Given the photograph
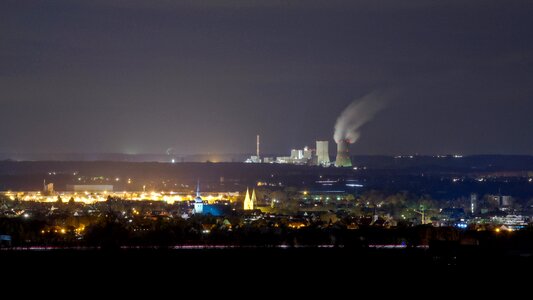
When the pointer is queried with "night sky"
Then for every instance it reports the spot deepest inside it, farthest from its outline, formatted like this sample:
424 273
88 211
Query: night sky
207 76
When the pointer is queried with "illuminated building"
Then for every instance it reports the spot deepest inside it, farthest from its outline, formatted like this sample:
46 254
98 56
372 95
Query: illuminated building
510 222
253 200
343 154
307 153
198 202
473 203
255 158
249 202
322 152
269 160
504 202
298 157
297 154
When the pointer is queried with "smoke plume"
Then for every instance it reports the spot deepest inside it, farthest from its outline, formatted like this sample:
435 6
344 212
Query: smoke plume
357 114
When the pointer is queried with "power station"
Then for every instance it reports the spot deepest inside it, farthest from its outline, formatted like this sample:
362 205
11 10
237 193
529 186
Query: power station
343 154
322 153
308 156
255 159
257 149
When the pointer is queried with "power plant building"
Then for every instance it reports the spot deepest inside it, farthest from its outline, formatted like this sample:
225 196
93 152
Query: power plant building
322 153
298 157
255 158
297 154
343 154
308 153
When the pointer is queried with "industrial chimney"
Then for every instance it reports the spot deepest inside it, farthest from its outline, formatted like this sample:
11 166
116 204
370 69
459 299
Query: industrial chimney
257 150
343 154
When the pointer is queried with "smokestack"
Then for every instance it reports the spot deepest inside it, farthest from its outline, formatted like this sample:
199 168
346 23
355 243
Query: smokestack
343 154
258 146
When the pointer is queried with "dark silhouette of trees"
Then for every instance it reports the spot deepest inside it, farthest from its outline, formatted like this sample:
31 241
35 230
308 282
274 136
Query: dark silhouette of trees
109 233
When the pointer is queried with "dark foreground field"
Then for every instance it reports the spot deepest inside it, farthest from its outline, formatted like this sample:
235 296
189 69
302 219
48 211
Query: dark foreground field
271 273
283 261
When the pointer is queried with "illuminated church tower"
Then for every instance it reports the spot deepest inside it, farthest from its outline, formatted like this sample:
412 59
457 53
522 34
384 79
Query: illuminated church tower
253 200
198 202
249 202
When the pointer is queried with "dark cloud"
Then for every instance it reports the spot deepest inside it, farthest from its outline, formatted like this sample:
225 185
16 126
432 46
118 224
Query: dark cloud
206 76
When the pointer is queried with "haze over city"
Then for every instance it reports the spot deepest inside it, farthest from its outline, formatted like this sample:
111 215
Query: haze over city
261 145
207 76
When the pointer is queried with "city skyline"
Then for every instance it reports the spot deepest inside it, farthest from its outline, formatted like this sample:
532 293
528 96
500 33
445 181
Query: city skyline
206 77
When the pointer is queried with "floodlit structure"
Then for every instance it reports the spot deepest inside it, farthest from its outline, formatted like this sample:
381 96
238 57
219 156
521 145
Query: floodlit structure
253 200
198 202
298 157
249 202
307 153
257 150
255 158
343 154
473 203
297 154
322 153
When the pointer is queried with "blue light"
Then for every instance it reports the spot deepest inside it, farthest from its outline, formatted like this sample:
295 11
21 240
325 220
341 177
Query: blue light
354 185
461 225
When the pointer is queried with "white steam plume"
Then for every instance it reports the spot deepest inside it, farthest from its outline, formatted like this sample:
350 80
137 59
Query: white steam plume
357 114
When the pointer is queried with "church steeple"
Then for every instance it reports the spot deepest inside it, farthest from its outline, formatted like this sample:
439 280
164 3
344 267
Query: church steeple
247 200
253 200
198 202
198 189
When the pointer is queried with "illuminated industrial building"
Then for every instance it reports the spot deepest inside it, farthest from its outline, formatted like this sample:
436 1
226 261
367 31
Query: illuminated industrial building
255 158
322 153
298 157
343 154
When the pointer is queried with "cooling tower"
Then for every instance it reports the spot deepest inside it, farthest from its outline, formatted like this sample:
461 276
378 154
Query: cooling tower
343 154
322 153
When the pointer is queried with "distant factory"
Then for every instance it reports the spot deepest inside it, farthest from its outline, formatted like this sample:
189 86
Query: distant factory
303 156
255 158
322 153
318 156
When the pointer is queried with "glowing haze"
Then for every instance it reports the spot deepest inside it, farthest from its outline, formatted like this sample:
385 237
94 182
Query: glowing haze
357 114
205 76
